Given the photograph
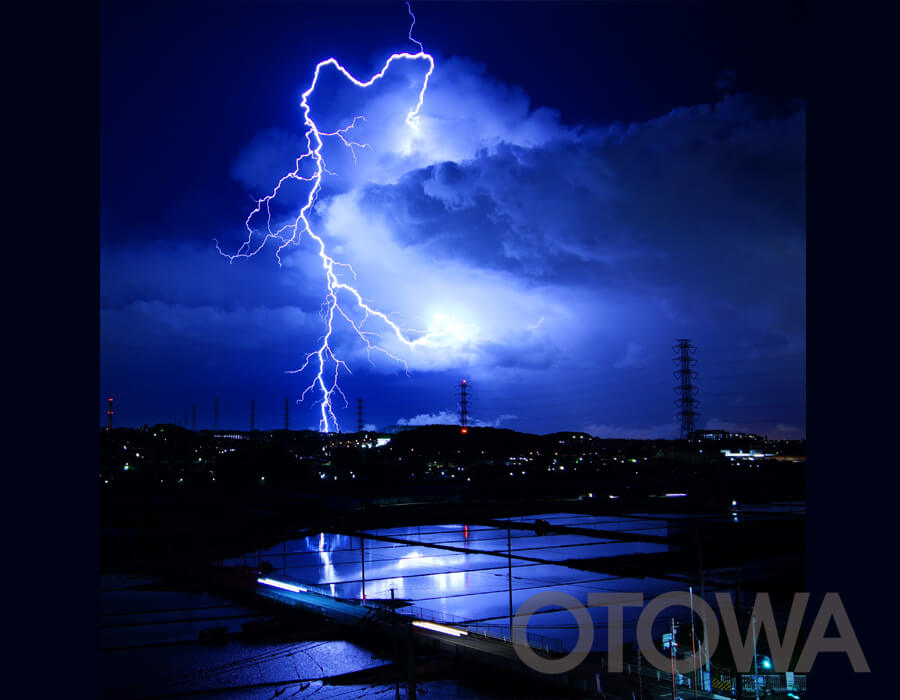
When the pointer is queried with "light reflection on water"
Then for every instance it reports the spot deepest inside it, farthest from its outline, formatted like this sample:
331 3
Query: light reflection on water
473 585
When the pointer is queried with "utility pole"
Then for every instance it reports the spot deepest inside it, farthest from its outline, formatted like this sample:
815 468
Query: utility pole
640 677
509 570
394 646
704 643
362 550
693 643
672 648
411 662
755 668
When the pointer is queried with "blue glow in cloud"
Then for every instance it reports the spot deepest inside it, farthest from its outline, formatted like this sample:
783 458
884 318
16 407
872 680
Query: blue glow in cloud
574 254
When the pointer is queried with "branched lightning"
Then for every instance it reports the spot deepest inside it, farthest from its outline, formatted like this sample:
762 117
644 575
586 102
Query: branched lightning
339 292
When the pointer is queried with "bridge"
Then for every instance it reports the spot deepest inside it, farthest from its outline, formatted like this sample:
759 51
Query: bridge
466 641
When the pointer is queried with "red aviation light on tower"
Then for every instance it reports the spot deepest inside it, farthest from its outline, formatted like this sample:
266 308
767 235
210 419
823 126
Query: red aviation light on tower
463 406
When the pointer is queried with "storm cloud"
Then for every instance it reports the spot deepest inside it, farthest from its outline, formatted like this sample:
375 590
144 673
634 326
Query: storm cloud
572 255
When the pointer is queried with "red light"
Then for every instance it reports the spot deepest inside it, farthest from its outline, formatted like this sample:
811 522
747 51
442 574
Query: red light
464 431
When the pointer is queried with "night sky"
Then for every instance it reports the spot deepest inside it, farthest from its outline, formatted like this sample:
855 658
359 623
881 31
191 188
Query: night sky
589 182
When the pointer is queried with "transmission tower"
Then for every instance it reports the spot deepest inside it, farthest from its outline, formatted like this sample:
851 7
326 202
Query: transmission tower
216 414
194 417
252 415
109 414
359 415
464 406
685 374
287 413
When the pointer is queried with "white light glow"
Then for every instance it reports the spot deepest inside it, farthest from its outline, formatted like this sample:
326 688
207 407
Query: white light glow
440 628
281 584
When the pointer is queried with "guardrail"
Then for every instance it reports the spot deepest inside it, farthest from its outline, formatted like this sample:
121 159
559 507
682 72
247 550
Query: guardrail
723 682
498 631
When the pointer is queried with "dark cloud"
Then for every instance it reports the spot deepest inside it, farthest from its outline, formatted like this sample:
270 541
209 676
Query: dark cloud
726 80
704 206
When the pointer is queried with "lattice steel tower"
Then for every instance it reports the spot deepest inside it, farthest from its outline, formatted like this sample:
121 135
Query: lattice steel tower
685 374
359 415
252 415
464 406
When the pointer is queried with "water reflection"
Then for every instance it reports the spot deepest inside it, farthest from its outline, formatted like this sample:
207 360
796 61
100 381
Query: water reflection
475 584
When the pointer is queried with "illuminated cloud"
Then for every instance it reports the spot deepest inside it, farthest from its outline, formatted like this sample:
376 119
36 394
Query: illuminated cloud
563 255
451 418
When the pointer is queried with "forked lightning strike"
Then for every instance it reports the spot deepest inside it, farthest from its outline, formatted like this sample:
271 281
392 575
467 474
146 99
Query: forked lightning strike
324 356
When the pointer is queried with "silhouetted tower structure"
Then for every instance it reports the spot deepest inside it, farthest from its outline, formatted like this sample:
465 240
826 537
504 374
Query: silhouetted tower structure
194 417
252 414
287 413
359 415
109 414
185 423
464 406
685 374
216 414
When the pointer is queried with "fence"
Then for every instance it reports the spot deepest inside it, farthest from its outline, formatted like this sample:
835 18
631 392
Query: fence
723 681
498 631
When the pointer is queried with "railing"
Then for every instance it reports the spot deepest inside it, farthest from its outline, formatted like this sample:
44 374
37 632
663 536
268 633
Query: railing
681 679
774 681
498 631
723 682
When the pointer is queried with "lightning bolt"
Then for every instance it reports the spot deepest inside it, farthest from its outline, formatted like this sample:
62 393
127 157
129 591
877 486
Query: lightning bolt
339 292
